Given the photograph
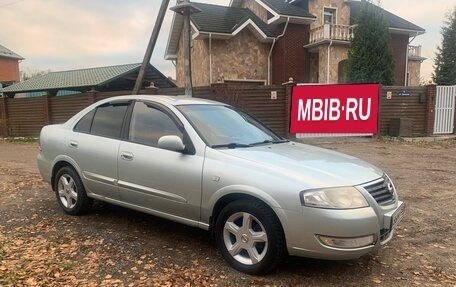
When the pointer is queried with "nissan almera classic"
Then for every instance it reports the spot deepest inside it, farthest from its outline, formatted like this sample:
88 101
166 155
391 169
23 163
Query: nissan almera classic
209 165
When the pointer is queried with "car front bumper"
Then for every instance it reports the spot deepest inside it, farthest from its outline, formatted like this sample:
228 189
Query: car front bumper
359 231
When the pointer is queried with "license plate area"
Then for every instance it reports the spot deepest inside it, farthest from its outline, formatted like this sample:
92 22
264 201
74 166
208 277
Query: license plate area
392 218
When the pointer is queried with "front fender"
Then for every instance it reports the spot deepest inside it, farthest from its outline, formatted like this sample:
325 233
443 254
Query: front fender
240 190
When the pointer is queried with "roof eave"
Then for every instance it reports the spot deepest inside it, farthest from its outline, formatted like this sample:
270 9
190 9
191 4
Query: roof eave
174 35
133 69
293 19
410 32
12 57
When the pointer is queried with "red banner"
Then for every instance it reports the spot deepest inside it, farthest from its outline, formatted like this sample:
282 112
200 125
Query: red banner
335 109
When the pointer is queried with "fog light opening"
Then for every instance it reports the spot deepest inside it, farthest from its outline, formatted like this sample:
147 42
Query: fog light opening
339 242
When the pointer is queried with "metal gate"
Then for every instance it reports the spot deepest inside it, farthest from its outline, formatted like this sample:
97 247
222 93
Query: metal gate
445 110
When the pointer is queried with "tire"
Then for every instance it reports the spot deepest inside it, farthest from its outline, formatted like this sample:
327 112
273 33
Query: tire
250 237
70 192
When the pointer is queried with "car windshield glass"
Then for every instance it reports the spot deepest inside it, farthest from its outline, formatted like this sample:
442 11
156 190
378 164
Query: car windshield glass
224 127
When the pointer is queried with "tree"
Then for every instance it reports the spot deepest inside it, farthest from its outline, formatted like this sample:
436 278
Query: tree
370 58
445 60
28 73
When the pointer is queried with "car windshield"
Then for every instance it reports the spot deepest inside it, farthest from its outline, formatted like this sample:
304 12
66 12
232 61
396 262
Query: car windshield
223 126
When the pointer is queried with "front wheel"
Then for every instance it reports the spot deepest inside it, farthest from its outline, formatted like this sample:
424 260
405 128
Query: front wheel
70 192
250 237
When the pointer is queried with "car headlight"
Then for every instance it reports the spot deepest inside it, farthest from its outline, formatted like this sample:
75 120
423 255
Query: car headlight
334 198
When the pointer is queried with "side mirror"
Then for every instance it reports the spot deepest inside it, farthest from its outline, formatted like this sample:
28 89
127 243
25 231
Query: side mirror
172 143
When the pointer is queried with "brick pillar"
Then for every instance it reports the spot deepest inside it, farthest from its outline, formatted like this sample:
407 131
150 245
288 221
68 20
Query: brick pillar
3 117
288 90
92 96
454 111
380 104
431 91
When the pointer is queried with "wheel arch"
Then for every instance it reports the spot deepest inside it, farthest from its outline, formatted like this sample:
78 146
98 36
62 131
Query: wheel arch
231 197
60 163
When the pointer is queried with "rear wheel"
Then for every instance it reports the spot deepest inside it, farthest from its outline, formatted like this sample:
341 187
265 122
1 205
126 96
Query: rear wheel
70 192
250 237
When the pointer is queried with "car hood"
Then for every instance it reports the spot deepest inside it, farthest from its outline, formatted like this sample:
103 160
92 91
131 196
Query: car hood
316 167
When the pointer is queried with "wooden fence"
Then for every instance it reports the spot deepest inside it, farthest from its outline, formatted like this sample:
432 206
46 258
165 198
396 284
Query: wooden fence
270 104
405 103
25 117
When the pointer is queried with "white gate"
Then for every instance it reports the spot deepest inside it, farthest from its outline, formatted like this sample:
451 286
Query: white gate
445 110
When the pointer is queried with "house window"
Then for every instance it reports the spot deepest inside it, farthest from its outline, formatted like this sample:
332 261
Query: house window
329 16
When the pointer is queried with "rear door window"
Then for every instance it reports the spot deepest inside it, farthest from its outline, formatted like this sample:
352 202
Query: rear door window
106 120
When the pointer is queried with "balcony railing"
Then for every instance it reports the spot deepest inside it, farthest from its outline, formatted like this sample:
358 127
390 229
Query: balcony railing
331 32
414 51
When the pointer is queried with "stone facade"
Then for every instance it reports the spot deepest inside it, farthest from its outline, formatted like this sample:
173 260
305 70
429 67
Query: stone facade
337 54
242 57
256 8
316 8
414 73
245 57
200 63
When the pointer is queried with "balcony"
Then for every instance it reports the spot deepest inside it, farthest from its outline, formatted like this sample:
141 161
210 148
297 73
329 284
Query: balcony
328 32
414 53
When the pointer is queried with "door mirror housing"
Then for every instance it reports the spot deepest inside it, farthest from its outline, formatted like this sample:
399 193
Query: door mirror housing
172 143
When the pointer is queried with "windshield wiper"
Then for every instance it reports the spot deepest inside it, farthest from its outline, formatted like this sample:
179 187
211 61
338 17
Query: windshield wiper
269 142
231 145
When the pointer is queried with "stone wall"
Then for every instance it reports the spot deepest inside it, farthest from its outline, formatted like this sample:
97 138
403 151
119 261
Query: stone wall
200 63
337 54
342 11
242 57
314 68
256 8
414 71
180 64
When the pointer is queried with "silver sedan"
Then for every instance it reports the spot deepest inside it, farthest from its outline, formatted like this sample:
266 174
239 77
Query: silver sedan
209 165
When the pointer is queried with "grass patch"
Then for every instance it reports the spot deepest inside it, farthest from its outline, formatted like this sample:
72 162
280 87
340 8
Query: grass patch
20 139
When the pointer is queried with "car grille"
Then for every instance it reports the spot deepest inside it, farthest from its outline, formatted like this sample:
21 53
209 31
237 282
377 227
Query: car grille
380 191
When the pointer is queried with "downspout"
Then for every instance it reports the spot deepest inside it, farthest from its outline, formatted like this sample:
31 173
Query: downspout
329 56
406 65
210 58
272 48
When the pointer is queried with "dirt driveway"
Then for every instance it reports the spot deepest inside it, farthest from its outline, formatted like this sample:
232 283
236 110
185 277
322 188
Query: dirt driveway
40 246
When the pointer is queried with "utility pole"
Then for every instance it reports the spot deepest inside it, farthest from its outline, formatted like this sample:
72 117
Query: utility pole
150 47
185 8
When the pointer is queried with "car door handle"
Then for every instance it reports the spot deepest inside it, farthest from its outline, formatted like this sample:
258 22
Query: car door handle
74 144
127 156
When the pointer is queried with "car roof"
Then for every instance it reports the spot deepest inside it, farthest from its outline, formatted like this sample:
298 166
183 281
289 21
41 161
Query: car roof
170 100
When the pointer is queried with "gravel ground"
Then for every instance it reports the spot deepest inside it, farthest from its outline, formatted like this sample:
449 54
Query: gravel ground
112 246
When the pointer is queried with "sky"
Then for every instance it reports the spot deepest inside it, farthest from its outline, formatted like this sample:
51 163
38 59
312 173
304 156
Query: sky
60 35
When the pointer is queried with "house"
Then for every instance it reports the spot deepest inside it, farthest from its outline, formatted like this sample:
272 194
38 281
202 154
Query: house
269 41
9 67
102 79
